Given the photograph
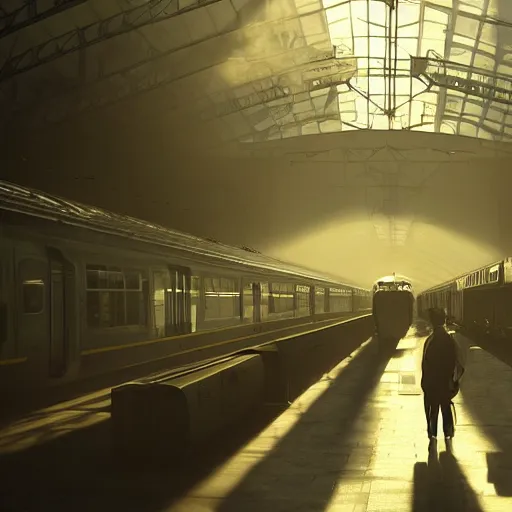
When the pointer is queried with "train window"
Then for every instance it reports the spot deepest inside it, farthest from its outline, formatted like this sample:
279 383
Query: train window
319 299
248 301
281 298
195 301
302 299
33 296
132 280
115 280
116 297
133 309
229 285
272 295
222 298
194 286
160 284
340 300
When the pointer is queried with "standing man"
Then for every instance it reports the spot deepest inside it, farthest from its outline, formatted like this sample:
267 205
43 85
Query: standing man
441 372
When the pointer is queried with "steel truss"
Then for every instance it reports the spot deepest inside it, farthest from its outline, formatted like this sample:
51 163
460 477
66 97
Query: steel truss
467 79
81 38
32 11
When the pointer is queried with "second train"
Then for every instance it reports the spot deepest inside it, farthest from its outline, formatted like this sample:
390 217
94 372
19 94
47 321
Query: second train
393 305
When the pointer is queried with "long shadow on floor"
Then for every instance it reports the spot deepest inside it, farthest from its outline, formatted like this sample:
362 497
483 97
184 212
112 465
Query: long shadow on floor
303 468
75 471
501 348
486 391
440 486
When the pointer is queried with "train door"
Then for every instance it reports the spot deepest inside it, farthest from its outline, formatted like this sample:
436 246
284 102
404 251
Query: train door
33 318
7 345
178 301
186 300
57 319
256 291
43 321
61 281
160 286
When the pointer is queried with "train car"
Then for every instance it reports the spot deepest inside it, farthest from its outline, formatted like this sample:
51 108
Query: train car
84 291
442 296
393 303
480 300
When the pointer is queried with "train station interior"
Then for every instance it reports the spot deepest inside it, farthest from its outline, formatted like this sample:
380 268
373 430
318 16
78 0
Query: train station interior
352 139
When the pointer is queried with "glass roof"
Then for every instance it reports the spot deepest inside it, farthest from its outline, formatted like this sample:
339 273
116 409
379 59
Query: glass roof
271 69
399 65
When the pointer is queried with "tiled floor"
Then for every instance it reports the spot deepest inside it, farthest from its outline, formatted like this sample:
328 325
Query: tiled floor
356 441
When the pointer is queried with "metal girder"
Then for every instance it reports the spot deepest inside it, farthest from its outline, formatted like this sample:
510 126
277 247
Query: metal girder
258 97
81 38
462 78
31 12
317 75
152 78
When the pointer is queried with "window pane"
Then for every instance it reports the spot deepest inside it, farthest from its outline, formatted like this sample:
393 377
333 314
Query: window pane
92 279
122 297
132 280
208 284
115 281
117 312
133 308
105 309
96 279
93 309
194 301
33 297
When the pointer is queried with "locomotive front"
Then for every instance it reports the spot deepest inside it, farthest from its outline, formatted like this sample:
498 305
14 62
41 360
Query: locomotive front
393 302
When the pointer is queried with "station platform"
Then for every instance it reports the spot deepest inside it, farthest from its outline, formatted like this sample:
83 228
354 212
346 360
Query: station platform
357 442
354 442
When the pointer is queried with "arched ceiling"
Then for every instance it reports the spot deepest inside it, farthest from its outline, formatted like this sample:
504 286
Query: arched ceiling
350 136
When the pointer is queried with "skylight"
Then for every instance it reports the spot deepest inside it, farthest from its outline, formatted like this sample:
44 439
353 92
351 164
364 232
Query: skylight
401 65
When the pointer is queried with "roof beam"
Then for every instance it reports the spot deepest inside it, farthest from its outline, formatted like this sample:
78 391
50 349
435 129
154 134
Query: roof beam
467 79
155 78
84 37
154 72
32 11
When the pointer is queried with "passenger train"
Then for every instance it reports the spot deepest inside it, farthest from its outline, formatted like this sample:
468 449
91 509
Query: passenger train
84 291
480 300
393 303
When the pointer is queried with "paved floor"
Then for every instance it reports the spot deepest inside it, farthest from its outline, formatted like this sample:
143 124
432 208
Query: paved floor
50 423
356 441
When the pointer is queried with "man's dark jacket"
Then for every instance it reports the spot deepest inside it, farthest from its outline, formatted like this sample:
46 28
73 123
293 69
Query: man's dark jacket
441 366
